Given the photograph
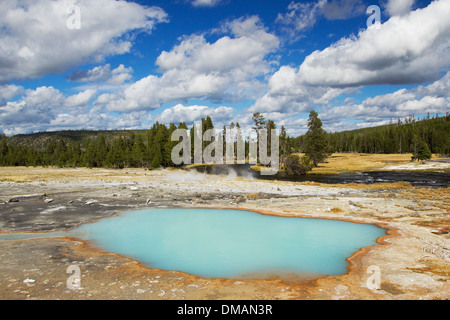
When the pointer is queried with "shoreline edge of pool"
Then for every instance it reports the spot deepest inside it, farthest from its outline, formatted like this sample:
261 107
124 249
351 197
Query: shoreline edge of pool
353 260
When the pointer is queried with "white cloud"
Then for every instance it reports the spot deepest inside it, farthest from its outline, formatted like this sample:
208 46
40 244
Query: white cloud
301 15
225 70
98 120
34 108
288 93
404 50
8 92
80 99
205 3
399 7
47 109
120 75
191 114
104 74
95 74
36 41
433 98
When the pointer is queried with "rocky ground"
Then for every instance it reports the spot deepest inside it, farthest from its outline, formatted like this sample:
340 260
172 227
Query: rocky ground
413 261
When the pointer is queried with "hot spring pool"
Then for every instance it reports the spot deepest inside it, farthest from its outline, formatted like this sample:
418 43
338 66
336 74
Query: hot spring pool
226 243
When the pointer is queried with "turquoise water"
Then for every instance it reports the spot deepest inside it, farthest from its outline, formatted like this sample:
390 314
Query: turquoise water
231 243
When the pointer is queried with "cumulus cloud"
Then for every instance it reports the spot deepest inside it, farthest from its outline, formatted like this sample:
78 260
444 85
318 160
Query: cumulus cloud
97 120
8 92
95 74
37 108
399 7
288 93
80 99
404 50
117 76
36 41
411 49
433 98
225 70
46 108
34 108
194 113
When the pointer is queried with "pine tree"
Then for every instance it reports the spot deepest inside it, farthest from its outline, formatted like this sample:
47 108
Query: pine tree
49 153
169 145
159 141
116 154
150 144
270 125
420 149
90 155
207 124
315 146
138 152
259 122
76 155
192 135
102 151
424 152
4 148
284 146
240 144
61 153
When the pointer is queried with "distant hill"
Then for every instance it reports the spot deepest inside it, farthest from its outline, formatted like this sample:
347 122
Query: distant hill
402 136
396 137
40 140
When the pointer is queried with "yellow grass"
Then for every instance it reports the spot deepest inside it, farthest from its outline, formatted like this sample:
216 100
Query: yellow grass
29 174
358 162
253 196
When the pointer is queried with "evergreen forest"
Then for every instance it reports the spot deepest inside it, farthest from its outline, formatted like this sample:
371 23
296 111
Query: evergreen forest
152 148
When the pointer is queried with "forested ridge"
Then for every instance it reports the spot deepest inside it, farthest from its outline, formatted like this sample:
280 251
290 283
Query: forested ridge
152 148
402 136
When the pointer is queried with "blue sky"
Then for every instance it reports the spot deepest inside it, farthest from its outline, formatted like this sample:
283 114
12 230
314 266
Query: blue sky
127 64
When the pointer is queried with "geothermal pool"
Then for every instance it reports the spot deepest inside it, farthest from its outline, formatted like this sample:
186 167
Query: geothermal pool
226 243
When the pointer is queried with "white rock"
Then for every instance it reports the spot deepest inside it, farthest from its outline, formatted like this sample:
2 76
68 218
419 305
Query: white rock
162 293
29 281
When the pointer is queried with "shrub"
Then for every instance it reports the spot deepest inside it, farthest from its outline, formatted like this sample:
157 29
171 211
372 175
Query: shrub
296 165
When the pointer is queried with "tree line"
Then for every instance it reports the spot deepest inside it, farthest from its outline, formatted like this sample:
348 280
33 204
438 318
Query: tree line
418 137
152 148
